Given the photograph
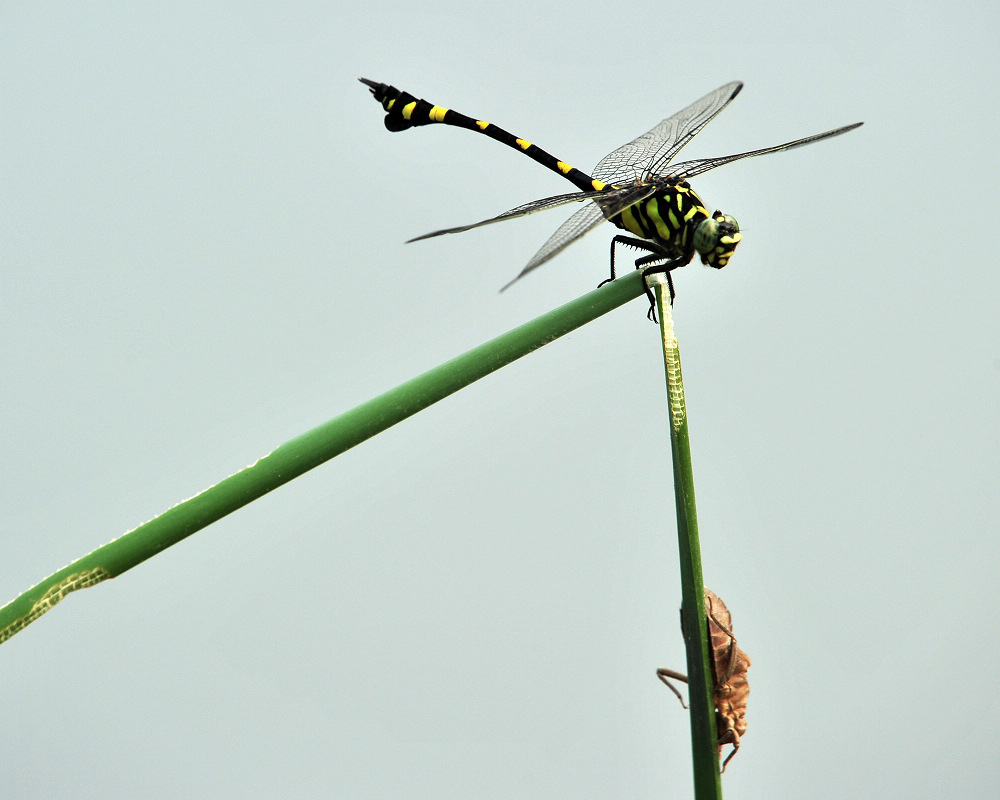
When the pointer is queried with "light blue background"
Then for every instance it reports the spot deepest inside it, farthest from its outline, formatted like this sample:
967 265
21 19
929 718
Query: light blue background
201 235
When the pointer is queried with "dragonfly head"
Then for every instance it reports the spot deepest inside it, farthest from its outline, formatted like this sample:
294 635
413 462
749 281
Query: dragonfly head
716 238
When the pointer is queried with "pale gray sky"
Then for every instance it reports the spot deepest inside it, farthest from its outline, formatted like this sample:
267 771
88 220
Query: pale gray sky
202 223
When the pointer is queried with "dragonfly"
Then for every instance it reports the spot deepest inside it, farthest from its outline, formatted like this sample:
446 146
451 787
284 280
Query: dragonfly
638 187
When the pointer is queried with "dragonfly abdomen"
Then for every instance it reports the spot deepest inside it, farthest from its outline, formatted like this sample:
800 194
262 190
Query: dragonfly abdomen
404 111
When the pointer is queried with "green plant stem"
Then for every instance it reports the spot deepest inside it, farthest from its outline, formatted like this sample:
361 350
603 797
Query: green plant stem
704 752
310 450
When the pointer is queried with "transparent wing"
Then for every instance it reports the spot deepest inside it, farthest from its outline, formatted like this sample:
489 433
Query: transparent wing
688 169
584 221
521 211
650 153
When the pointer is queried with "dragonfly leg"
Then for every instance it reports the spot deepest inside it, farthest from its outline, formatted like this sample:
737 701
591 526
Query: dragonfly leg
656 269
654 254
628 241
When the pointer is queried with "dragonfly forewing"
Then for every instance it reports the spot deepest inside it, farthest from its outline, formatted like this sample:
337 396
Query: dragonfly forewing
649 153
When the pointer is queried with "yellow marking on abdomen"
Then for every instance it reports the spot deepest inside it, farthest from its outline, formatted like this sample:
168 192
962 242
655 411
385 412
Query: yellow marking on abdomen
598 185
564 168
524 144
437 113
482 125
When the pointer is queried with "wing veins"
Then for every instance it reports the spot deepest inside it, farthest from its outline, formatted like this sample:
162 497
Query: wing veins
582 223
688 169
648 154
521 211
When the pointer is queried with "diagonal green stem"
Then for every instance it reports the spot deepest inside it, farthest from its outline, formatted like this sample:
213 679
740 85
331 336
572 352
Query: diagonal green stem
704 752
310 450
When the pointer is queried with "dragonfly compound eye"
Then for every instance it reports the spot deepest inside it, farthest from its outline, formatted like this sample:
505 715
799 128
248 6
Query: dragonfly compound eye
716 238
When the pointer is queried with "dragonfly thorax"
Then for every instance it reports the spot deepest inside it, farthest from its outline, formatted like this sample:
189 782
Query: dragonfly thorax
716 238
676 220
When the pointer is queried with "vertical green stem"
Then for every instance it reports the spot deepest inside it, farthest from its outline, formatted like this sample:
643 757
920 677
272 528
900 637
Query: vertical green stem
704 753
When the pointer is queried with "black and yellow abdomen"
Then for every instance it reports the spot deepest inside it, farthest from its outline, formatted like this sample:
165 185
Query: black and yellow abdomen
403 111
